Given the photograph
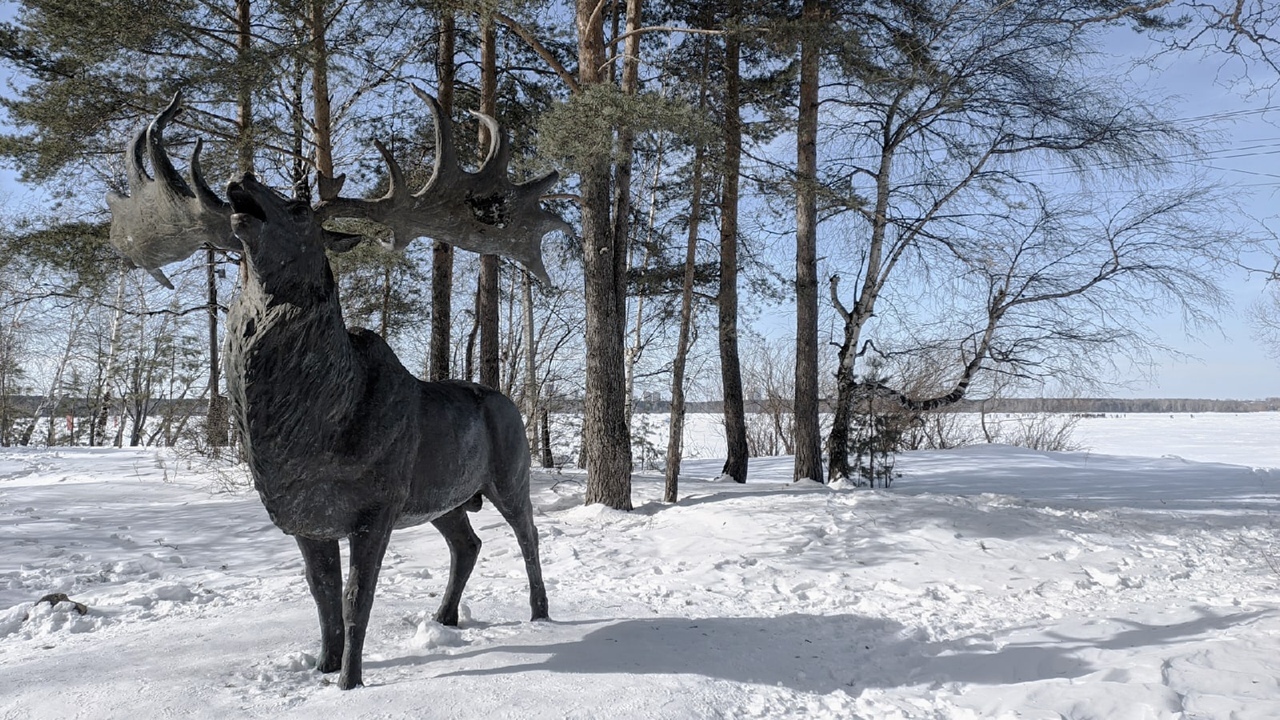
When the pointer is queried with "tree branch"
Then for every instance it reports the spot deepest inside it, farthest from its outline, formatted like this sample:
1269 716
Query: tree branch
541 50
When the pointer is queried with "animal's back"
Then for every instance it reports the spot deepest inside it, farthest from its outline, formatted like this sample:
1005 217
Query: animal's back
470 439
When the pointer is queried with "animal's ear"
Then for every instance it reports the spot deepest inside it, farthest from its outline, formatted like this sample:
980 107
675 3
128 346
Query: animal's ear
341 242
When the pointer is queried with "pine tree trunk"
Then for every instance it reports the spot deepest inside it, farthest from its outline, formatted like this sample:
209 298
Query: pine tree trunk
606 438
530 366
442 253
487 287
244 99
320 90
216 426
675 437
808 440
735 419
548 460
675 440
216 423
622 197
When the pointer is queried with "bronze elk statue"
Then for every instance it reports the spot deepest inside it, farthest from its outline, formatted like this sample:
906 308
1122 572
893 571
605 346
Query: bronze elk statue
342 441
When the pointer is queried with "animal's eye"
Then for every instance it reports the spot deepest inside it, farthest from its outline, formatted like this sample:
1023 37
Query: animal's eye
299 210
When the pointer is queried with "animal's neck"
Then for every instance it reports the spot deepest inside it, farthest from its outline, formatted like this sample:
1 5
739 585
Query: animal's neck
292 372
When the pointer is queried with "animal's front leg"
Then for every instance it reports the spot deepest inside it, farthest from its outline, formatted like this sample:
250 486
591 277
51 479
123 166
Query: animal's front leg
367 549
324 575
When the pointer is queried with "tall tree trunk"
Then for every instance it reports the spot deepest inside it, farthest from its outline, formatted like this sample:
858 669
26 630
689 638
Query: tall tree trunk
808 463
442 253
735 419
384 313
606 438
675 436
855 318
299 170
530 366
675 440
633 353
622 195
216 424
469 352
625 155
487 286
320 89
637 338
548 460
109 366
244 98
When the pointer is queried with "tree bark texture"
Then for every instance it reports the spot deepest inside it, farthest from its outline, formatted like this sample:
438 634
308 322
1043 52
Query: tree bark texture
622 172
487 286
216 425
675 439
606 437
531 390
439 354
735 419
320 89
808 439
244 100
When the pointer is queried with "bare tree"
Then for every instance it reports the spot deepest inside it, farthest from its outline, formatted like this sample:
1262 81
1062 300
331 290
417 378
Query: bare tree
944 138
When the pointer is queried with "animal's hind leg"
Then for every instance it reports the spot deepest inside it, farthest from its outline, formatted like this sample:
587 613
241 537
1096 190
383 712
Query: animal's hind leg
324 576
517 509
464 548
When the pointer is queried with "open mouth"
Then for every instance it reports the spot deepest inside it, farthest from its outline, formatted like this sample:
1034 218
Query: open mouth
242 202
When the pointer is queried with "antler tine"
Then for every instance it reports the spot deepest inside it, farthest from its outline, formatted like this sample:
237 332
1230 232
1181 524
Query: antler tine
133 160
395 176
499 155
539 186
209 200
445 167
382 209
161 165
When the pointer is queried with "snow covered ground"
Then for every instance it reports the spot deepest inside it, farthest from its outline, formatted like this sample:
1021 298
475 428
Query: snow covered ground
990 582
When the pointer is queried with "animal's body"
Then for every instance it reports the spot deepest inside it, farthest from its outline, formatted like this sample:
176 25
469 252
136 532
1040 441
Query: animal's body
342 441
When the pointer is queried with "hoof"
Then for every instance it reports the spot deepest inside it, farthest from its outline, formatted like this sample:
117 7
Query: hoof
447 620
329 665
348 683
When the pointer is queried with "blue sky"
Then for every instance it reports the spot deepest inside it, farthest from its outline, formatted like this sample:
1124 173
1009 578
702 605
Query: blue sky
1209 89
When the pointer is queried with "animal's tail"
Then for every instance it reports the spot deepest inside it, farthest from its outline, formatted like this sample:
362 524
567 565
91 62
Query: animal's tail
474 504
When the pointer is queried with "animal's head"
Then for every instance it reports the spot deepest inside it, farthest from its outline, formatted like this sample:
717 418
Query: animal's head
167 218
283 239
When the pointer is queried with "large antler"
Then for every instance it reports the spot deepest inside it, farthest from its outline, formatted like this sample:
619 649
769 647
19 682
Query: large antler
482 211
163 220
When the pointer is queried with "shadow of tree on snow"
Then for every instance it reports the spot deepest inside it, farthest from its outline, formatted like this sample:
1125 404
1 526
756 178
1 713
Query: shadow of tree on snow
815 653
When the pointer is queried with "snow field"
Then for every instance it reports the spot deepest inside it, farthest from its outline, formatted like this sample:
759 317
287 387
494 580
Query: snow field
990 582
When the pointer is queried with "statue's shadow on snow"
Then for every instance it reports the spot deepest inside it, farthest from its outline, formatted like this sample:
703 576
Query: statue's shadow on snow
823 653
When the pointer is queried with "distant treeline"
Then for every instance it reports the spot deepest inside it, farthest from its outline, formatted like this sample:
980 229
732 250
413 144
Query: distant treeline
81 407
1046 405
27 404
1118 405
